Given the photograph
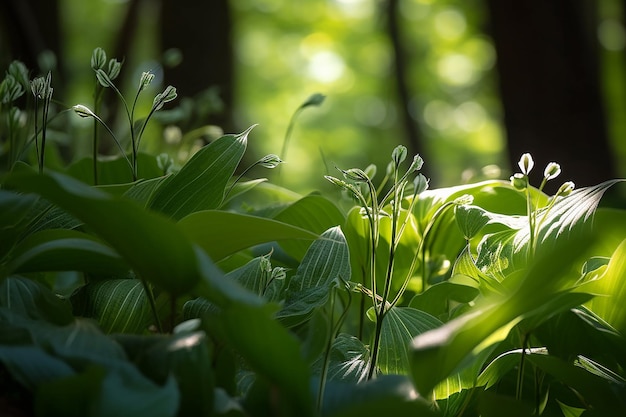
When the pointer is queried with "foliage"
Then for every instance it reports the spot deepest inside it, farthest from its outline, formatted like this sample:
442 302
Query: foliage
197 291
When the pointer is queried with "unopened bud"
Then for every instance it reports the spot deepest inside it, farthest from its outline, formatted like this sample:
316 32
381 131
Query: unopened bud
565 189
519 181
526 163
552 171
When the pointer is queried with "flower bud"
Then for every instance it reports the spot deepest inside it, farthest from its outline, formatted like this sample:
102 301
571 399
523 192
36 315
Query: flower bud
83 111
98 59
519 181
526 163
552 171
270 161
565 189
166 96
399 155
146 79
420 184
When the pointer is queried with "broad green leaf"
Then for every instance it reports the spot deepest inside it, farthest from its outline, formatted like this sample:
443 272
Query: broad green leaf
142 191
14 208
348 360
101 392
495 371
439 298
32 366
152 245
611 288
64 250
15 213
387 395
436 354
400 326
222 233
201 182
241 188
595 391
30 299
186 356
326 263
471 219
314 213
118 305
270 350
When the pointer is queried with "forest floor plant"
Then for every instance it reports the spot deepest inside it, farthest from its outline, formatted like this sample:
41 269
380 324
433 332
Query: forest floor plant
198 291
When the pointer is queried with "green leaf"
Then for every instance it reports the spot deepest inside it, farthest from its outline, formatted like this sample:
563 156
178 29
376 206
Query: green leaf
118 305
611 288
400 326
167 260
64 250
100 392
438 299
201 182
32 366
31 299
348 360
471 219
596 391
314 213
186 356
326 263
387 395
222 233
271 351
436 354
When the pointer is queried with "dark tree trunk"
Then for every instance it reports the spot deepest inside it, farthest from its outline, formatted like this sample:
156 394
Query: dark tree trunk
413 134
31 27
201 31
549 79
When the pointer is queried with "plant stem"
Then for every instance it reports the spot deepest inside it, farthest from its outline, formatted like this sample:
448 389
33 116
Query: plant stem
152 302
531 224
37 131
46 107
520 371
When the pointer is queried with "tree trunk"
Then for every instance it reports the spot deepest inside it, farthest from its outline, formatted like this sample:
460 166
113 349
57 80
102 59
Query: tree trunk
201 31
550 86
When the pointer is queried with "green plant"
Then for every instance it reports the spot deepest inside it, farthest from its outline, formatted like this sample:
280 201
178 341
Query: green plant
199 291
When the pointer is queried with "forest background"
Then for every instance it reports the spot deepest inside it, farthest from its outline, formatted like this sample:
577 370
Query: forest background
468 84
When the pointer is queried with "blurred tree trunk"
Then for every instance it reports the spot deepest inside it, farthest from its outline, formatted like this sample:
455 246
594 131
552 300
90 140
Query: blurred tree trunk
550 86
201 31
413 134
30 28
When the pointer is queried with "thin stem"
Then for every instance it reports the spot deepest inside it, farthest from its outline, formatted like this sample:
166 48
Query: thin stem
520 371
37 130
292 122
96 109
323 376
531 223
117 142
152 302
46 107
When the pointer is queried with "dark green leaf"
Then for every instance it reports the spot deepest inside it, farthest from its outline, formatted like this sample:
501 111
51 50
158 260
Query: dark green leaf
400 326
64 250
31 299
118 305
314 213
167 260
326 263
438 299
200 184
222 233
271 351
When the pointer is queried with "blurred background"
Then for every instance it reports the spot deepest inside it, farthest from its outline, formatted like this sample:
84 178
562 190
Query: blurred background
470 85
